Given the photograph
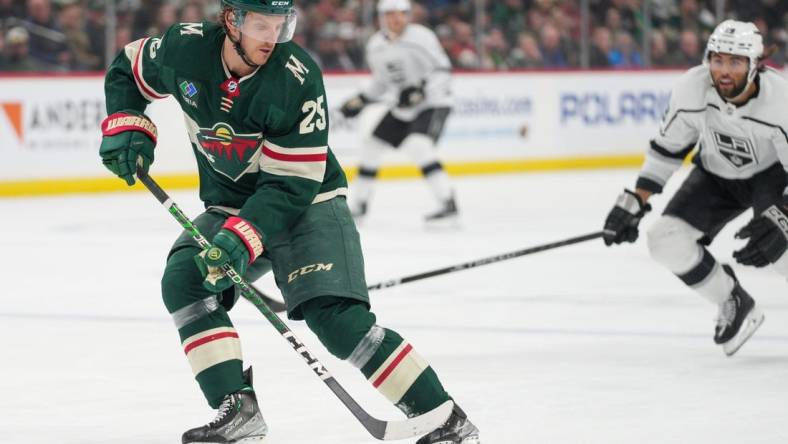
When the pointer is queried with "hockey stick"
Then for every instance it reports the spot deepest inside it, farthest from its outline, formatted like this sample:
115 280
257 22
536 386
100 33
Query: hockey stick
273 304
383 430
485 261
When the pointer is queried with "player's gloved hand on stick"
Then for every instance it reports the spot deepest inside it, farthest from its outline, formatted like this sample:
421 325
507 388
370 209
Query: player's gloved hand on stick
411 96
622 222
238 243
129 139
768 238
353 106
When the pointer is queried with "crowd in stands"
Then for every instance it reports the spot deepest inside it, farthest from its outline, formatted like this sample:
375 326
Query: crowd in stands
69 35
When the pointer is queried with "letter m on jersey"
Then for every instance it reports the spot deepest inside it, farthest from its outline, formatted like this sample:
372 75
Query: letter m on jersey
737 150
191 29
296 67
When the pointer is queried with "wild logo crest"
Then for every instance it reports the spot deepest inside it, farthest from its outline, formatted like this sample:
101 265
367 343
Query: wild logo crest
230 154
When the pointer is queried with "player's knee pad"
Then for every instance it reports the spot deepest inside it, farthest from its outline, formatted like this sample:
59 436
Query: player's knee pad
372 151
421 148
182 290
341 324
674 243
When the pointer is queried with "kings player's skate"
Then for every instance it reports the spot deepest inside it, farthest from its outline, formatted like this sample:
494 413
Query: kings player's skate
738 318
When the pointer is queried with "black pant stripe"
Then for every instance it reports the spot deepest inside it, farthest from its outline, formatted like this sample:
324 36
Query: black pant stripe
368 172
431 168
701 271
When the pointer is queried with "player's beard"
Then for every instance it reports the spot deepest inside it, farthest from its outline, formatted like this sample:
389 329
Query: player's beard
730 93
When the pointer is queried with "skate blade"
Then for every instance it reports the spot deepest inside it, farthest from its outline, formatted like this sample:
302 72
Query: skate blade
751 323
444 223
251 440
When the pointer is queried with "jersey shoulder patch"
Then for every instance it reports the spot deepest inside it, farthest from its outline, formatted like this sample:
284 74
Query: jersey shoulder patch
298 64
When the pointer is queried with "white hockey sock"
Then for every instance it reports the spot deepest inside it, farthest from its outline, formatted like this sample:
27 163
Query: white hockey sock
362 190
717 286
421 148
439 183
363 184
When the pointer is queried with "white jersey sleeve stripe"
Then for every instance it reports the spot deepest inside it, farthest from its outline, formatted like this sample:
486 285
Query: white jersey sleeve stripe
307 163
135 53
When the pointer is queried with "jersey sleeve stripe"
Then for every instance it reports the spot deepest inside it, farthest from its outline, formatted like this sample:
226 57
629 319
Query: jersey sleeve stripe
145 89
267 151
305 163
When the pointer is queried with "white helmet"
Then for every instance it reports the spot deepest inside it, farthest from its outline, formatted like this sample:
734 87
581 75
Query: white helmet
393 5
737 38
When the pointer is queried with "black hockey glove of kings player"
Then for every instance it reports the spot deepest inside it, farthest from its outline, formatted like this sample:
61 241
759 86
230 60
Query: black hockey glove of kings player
622 222
353 106
411 96
768 238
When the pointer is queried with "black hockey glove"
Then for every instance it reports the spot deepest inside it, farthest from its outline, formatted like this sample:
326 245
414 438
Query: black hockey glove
353 106
411 96
622 222
768 238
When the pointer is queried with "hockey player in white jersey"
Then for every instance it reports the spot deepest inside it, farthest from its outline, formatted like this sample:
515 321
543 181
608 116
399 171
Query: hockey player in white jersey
406 59
734 110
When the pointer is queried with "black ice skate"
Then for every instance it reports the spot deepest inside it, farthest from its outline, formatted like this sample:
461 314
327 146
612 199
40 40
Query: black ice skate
448 214
738 318
457 430
358 211
238 420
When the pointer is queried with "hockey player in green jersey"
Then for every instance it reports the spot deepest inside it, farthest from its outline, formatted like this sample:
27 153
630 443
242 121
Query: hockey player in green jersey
274 194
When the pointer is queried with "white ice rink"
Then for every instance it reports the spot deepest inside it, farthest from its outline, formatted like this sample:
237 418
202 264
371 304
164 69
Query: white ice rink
583 344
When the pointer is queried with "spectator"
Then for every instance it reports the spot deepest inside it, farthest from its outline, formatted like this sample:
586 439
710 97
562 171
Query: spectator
191 12
44 42
123 36
2 52
18 57
71 23
507 15
11 8
625 53
166 16
527 53
495 50
689 49
463 51
552 51
601 45
95 29
57 38
660 55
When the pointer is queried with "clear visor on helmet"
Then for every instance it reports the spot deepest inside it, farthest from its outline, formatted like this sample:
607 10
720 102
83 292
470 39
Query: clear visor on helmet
269 28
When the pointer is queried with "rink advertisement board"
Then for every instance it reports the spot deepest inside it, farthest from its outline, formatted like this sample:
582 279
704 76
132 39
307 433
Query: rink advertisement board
49 126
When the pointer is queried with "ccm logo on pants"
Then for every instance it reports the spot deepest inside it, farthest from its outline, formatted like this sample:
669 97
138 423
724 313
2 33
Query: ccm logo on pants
308 269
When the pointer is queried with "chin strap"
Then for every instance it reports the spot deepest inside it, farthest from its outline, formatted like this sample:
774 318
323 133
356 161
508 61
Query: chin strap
238 49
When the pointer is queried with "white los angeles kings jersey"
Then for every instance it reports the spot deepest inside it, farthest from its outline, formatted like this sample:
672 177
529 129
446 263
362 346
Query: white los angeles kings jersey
733 142
415 57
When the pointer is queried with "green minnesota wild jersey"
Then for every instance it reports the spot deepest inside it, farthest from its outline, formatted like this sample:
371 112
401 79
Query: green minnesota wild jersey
261 141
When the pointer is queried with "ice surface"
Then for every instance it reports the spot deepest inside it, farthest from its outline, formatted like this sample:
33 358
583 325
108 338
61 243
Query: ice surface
583 344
